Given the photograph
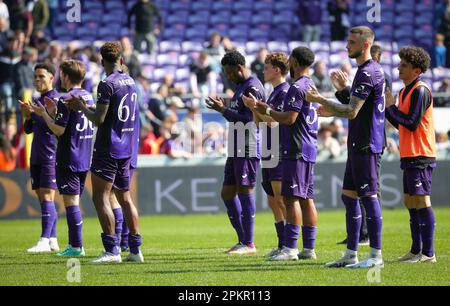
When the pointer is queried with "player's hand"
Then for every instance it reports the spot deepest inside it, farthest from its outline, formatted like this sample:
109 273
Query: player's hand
39 109
261 107
216 104
50 105
339 79
322 111
250 102
75 103
26 109
389 98
313 95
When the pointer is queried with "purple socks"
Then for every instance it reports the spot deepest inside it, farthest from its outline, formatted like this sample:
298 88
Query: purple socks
135 242
279 227
309 237
374 221
122 230
75 224
427 223
111 243
291 232
248 204
234 211
416 246
49 217
353 221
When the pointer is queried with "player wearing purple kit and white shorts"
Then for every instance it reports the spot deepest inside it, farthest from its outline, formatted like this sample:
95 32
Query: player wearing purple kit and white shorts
115 117
43 157
299 127
243 162
366 139
73 155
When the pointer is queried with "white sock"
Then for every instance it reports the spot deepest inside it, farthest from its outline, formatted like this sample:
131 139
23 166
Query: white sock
349 253
45 240
375 253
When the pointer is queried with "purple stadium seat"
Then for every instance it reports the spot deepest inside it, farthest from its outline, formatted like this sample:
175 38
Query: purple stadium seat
114 6
183 60
262 17
242 5
199 17
176 32
182 74
403 6
294 44
258 34
180 5
243 17
337 46
189 46
178 17
196 33
168 46
278 46
286 5
220 17
319 46
263 5
252 47
199 5
167 59
89 5
238 33
224 5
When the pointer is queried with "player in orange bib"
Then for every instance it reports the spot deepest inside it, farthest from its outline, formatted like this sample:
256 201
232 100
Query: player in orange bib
414 119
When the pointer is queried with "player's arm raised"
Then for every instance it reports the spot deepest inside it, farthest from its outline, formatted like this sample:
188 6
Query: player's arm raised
287 118
335 108
40 110
97 115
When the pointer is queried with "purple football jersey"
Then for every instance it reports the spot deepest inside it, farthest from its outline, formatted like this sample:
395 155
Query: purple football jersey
75 145
275 102
366 131
238 112
43 148
136 132
115 135
299 140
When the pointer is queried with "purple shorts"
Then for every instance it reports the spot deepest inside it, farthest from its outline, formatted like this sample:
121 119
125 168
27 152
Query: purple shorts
241 171
116 171
70 183
269 175
43 176
362 173
298 179
417 181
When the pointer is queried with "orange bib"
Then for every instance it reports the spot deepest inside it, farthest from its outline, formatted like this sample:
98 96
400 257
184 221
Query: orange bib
422 141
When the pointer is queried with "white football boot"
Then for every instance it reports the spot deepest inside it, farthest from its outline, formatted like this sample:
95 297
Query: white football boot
42 246
54 244
243 249
307 254
368 263
273 253
107 257
345 260
286 254
135 257
410 258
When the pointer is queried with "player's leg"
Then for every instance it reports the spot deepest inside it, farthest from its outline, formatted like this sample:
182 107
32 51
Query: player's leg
366 173
278 208
44 186
244 171
118 215
427 220
71 187
232 203
309 214
352 217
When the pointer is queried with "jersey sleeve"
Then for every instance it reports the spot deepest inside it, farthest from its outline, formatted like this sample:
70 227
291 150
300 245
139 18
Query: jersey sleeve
104 93
363 85
294 100
62 114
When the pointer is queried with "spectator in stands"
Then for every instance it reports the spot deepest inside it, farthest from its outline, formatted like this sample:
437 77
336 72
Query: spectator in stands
158 107
55 53
442 141
3 33
130 57
43 47
440 51
227 44
326 143
321 79
149 141
339 19
214 140
143 97
375 52
215 50
444 88
24 71
202 79
7 154
439 13
310 14
21 19
171 145
257 66
192 128
4 13
174 105
41 15
8 59
174 90
347 69
145 11
444 29
53 6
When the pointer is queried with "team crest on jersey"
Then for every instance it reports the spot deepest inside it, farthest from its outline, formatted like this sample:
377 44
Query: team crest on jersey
59 116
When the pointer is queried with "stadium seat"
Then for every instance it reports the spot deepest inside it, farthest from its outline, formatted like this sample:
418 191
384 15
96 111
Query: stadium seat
220 6
222 17
200 5
167 59
244 17
199 17
174 33
182 74
189 46
89 5
258 34
263 5
278 46
242 5
238 33
168 46
114 6
252 47
260 17
286 5
179 5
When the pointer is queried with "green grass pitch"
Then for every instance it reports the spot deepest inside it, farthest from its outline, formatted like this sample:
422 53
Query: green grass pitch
189 250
